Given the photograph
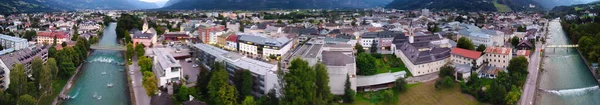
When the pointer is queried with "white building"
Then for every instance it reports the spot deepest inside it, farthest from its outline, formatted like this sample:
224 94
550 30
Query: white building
479 36
265 74
261 46
13 42
419 55
165 67
464 56
498 56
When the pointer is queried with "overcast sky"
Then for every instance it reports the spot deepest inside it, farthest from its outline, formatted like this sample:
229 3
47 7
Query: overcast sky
160 3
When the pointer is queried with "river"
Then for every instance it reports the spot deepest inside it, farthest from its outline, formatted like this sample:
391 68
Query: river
566 80
102 81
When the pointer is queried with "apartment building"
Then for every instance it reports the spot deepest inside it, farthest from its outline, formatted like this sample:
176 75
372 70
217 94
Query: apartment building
165 67
498 56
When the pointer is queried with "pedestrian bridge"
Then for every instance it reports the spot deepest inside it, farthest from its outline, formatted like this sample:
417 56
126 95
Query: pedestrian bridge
117 48
562 46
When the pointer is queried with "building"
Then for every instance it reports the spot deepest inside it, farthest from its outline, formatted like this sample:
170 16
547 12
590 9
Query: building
382 39
468 57
419 55
498 56
47 37
165 67
338 58
264 74
524 53
146 37
176 36
206 32
482 36
231 42
24 56
13 42
258 46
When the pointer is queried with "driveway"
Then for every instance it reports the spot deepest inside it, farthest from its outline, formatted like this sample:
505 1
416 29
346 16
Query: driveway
189 71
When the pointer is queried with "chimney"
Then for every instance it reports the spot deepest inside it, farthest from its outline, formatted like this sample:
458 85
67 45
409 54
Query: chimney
411 39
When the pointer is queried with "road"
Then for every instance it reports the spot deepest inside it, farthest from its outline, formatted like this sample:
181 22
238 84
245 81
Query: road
528 95
141 98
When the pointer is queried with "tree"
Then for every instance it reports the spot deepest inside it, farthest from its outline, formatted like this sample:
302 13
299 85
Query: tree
219 90
517 69
249 100
182 93
481 48
29 35
359 48
496 93
52 51
388 97
514 41
465 43
129 52
365 64
202 82
447 71
63 44
243 80
139 49
145 64
322 82
513 96
279 21
271 98
400 85
36 67
149 82
521 28
75 34
127 37
18 80
51 64
446 82
349 93
299 84
45 80
26 100
242 26
374 47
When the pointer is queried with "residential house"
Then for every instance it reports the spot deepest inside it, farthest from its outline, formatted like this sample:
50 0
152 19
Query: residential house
165 67
48 37
498 56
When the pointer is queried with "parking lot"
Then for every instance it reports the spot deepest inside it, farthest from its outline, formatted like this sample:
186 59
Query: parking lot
190 71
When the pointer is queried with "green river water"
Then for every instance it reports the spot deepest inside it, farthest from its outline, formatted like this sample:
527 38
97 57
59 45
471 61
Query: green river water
102 81
566 79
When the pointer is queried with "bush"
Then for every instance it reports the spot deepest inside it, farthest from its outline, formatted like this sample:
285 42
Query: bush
400 85
446 82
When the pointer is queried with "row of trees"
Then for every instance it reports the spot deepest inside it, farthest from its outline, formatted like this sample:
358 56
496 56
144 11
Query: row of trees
127 22
505 89
585 34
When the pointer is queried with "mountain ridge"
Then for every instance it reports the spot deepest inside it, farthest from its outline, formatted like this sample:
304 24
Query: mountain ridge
467 5
19 6
271 4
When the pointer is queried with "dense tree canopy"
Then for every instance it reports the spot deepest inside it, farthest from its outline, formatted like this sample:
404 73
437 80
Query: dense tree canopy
365 64
127 22
301 86
481 48
219 90
465 43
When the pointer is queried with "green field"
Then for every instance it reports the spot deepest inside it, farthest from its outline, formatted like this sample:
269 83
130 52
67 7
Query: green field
425 94
502 7
57 85
390 63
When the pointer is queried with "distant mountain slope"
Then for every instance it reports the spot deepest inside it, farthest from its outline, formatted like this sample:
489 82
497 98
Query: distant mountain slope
467 5
18 6
593 7
553 3
272 4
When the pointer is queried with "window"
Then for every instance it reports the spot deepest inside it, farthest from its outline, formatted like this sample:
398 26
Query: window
175 69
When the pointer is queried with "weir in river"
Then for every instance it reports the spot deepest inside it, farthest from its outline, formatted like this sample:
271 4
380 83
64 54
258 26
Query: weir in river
566 79
102 80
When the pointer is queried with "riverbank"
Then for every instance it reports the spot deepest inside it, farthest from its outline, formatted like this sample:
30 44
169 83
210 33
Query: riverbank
68 86
589 66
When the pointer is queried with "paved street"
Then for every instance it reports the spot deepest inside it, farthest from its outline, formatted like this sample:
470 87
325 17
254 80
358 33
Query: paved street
141 98
528 95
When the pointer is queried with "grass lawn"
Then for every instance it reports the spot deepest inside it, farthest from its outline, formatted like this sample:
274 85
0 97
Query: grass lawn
426 94
386 67
502 7
57 85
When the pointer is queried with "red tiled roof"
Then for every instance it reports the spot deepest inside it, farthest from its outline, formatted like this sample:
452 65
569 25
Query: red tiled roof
51 34
498 50
523 52
232 38
466 53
